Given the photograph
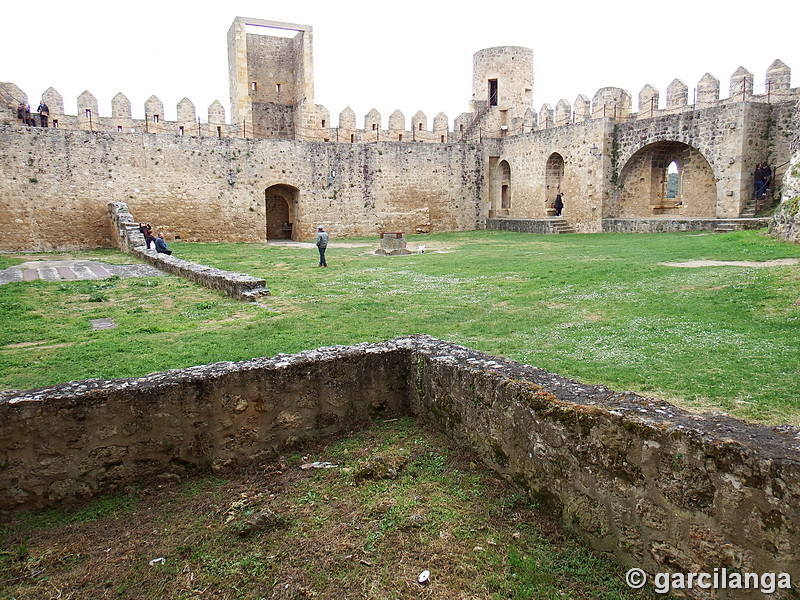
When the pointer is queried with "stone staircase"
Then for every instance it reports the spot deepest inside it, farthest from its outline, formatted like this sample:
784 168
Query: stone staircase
560 225
749 210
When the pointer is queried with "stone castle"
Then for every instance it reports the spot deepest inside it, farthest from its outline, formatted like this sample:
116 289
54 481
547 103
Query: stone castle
280 167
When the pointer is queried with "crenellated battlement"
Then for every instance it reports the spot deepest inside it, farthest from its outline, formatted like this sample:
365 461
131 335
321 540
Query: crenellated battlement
499 116
617 103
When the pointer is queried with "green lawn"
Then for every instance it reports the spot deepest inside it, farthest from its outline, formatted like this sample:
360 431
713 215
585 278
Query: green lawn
599 308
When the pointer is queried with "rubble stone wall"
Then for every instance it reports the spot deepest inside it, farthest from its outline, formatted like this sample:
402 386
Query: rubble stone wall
660 488
55 186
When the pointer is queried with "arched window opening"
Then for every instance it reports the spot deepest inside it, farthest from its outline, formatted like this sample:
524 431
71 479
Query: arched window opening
673 181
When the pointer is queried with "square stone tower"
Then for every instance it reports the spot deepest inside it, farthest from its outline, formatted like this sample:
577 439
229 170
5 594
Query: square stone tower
271 77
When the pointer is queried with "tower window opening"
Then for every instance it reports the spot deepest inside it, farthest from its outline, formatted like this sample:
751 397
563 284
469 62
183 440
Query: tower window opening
400 138
55 122
254 86
277 88
180 130
219 132
323 123
88 113
420 127
119 128
352 138
155 118
493 92
374 126
443 139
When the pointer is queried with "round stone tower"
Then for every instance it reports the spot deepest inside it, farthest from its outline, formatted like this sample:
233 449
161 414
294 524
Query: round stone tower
502 87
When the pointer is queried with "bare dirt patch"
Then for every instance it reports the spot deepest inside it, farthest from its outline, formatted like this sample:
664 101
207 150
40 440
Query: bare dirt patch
735 263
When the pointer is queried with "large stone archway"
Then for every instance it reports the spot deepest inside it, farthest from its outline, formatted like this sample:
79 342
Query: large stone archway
647 189
281 210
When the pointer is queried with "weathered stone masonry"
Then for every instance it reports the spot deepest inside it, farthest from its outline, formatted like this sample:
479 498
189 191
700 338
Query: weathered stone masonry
56 185
658 487
281 167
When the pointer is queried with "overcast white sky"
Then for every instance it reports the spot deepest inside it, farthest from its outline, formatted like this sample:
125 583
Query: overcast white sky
411 55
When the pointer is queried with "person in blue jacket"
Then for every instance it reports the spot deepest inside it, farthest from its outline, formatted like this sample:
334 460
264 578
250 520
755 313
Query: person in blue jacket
161 245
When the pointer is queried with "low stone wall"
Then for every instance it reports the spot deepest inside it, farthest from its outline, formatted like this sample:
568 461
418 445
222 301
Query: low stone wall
521 225
668 224
82 438
131 240
660 488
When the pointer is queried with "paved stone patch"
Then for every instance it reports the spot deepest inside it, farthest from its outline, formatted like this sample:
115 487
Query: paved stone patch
73 270
104 323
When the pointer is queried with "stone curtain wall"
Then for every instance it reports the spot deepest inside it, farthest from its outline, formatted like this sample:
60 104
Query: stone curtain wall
660 488
55 186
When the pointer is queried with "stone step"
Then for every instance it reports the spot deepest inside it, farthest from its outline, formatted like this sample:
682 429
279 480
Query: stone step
562 226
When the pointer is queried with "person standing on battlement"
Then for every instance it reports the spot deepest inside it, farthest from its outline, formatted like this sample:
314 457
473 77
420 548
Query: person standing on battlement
322 244
44 112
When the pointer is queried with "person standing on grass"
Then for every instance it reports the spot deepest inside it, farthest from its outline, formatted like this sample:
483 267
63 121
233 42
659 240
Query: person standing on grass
322 243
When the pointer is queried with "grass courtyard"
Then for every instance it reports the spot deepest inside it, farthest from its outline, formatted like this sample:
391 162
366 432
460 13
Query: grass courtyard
621 310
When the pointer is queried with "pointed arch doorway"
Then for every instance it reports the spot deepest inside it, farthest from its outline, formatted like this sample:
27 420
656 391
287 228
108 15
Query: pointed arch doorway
281 210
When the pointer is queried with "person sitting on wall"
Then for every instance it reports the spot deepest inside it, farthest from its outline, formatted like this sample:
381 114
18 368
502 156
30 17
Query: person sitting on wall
147 232
161 245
